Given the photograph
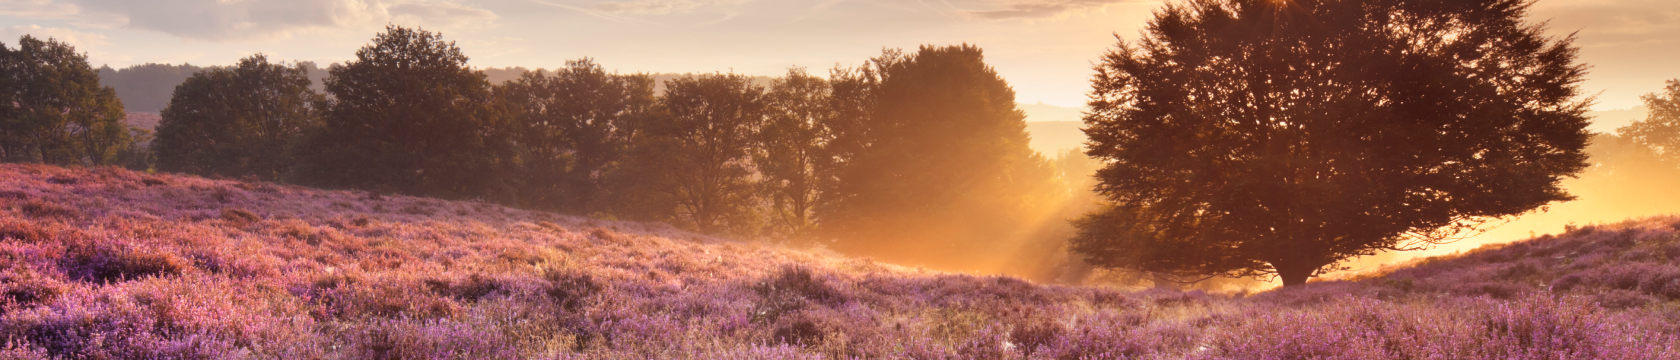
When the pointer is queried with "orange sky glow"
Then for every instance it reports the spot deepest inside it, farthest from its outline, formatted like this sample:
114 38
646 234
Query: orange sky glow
1043 47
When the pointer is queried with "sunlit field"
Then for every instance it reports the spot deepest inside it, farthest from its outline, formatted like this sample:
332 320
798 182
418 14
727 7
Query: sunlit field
115 264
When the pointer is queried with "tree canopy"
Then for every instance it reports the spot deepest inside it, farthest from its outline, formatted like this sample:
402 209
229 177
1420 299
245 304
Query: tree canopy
53 110
793 155
1660 131
692 162
237 121
409 116
1254 137
573 128
940 169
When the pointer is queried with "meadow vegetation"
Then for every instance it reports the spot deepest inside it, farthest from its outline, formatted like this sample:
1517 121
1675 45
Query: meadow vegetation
112 263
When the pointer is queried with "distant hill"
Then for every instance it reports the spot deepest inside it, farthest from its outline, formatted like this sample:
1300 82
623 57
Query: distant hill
1054 137
1045 112
147 88
1610 120
1054 129
147 121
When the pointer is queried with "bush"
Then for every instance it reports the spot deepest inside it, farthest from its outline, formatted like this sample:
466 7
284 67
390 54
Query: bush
471 289
27 288
798 332
240 216
571 290
24 231
46 210
102 263
798 281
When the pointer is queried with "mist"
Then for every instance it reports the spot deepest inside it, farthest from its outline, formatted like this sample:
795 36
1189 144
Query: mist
1625 181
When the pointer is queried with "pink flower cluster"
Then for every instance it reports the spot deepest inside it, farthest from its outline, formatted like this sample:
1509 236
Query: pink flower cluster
109 263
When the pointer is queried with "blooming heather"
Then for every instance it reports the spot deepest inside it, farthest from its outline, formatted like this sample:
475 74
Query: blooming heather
109 263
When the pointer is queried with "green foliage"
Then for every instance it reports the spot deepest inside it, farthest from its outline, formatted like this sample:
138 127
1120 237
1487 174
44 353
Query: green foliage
692 163
237 121
409 116
573 131
52 109
939 170
1252 137
792 156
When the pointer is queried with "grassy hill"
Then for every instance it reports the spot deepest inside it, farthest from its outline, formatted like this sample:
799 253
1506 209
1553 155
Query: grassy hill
107 263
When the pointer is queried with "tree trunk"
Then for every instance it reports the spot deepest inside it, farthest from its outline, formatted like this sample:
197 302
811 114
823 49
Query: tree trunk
1294 276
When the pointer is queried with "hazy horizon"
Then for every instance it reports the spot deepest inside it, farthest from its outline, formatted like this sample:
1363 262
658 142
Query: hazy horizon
1044 48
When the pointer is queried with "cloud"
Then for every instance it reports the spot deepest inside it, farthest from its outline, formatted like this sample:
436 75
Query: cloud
1033 9
238 20
442 14
81 40
1614 22
660 7
36 9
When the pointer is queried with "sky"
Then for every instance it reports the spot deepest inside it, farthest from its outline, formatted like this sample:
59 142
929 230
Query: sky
1044 48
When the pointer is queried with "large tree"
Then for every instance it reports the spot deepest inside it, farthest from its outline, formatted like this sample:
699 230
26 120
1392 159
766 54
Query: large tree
53 110
938 172
792 156
572 130
1255 137
692 162
236 121
408 115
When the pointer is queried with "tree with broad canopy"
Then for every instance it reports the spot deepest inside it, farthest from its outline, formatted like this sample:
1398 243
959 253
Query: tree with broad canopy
1258 137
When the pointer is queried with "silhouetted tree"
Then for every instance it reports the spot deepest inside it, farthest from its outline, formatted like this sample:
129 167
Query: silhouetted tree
409 116
852 100
1660 131
53 110
940 170
237 121
692 163
792 156
1254 137
572 131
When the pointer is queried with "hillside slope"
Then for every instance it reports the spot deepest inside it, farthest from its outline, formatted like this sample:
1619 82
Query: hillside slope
108 263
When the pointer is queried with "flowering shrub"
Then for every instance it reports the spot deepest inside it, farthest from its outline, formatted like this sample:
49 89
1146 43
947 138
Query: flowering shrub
108 263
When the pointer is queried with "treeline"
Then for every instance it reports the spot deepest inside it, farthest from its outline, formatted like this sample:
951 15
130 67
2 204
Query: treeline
53 110
916 157
147 88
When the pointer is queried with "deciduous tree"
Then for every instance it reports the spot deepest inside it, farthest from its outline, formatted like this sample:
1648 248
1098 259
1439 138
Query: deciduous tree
237 121
409 116
939 170
53 110
573 129
692 162
792 156
1254 137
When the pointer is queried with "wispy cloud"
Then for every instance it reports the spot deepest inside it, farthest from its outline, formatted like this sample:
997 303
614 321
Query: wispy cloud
659 7
442 14
591 12
221 21
81 40
1615 23
36 9
1031 9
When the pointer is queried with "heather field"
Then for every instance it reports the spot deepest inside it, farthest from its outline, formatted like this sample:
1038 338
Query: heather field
112 264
